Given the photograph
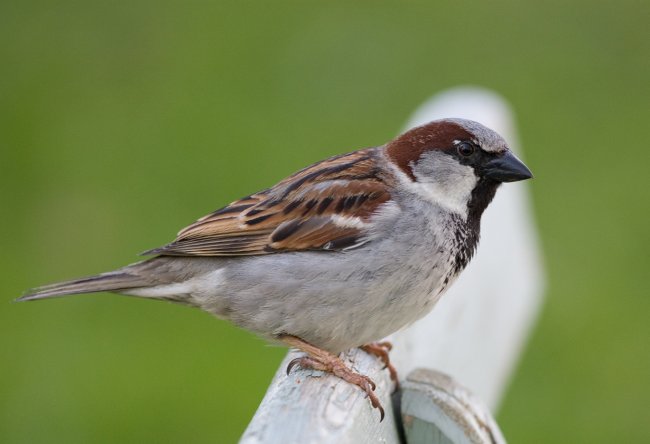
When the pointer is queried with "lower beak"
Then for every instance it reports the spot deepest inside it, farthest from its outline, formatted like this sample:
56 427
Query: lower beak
507 168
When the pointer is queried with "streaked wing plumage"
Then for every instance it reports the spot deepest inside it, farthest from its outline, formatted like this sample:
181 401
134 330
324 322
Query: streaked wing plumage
323 207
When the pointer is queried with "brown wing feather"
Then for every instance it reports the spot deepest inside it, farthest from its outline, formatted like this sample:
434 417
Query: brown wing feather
322 207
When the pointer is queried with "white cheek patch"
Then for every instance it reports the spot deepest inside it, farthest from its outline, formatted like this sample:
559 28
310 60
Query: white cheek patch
441 180
451 196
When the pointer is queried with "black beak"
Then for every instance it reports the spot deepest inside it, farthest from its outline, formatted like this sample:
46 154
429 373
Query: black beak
507 168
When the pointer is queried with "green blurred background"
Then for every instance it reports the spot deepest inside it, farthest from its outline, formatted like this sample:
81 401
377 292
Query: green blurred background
122 122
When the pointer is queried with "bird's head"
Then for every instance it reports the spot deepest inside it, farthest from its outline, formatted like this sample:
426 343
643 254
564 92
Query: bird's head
455 163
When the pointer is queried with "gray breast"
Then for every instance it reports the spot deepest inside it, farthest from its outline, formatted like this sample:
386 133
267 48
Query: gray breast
339 300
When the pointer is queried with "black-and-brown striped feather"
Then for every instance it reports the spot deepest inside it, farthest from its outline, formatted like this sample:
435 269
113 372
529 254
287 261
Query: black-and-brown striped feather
303 212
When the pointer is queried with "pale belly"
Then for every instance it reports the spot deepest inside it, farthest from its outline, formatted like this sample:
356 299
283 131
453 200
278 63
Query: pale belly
335 301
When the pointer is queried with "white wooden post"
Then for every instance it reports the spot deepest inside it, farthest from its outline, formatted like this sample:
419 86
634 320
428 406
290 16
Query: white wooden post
309 407
436 409
474 334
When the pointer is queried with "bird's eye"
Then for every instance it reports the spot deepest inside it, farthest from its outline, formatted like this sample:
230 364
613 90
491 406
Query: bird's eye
465 149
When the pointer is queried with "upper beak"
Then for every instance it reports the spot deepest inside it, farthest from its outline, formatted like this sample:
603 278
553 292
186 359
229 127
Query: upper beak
507 168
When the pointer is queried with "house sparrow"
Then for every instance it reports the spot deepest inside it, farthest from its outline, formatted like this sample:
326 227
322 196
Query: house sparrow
337 255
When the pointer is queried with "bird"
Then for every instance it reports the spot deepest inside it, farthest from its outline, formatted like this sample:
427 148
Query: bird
338 255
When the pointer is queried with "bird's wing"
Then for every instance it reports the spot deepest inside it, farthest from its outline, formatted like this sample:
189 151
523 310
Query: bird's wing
323 207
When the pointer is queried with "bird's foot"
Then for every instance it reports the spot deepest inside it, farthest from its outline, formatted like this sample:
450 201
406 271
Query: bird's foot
381 349
324 361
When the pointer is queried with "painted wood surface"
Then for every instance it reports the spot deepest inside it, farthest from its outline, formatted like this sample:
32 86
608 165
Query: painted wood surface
310 407
436 409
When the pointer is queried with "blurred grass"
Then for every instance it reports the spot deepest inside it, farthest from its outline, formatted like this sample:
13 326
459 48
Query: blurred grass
120 123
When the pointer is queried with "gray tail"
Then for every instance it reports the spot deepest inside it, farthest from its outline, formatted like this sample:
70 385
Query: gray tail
112 281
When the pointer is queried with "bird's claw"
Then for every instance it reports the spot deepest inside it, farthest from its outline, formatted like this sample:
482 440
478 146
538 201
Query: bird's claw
335 366
380 350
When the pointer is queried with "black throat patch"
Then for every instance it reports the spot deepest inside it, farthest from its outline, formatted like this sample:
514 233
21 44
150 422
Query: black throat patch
467 232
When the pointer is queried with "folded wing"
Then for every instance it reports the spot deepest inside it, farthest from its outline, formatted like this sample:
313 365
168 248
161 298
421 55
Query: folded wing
323 207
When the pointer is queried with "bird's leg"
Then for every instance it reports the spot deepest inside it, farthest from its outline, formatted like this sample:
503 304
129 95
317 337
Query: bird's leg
325 361
381 349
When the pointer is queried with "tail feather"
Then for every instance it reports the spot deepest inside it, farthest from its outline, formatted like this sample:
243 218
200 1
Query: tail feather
111 281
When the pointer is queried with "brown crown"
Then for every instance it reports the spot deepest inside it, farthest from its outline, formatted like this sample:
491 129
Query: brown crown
437 135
